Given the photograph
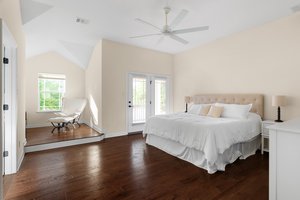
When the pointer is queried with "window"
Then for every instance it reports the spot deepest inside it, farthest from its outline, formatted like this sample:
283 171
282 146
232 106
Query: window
51 91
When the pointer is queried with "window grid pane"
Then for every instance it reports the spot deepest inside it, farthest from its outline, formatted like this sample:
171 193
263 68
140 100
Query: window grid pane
160 97
50 93
139 100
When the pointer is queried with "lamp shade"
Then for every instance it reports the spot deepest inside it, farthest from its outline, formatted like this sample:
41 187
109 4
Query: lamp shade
278 100
187 99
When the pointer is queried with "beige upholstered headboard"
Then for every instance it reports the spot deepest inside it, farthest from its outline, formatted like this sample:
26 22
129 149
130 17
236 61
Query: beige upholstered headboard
257 100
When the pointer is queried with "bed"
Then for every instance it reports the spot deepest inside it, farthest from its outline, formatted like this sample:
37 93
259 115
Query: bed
208 143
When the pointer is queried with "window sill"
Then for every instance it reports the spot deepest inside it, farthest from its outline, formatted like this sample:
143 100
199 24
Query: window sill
50 111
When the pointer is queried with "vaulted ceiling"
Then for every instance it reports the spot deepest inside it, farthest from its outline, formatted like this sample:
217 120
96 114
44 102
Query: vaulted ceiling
50 25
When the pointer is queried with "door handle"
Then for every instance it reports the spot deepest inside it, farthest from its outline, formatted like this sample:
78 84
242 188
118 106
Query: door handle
129 106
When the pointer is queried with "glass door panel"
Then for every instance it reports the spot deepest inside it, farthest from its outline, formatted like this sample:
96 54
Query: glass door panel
139 100
160 88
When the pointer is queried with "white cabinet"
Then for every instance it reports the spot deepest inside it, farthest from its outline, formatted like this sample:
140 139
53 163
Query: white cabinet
265 135
284 164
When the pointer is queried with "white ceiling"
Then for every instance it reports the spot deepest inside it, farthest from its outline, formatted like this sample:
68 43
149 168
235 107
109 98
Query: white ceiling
50 25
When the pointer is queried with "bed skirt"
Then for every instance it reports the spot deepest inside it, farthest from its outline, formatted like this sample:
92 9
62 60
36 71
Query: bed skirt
196 157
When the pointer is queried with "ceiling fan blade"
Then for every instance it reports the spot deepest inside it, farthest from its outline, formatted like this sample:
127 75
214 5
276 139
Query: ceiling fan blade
147 23
147 35
178 39
190 30
179 18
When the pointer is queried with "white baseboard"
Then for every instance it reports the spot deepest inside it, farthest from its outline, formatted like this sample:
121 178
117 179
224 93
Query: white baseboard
68 143
115 134
38 125
96 128
20 160
99 130
107 134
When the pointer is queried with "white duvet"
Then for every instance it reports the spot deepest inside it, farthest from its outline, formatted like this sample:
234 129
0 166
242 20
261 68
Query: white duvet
209 135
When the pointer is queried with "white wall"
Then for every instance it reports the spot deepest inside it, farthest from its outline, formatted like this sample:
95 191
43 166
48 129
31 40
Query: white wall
54 63
93 84
263 60
117 61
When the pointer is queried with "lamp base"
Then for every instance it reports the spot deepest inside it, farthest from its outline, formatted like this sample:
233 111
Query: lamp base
278 115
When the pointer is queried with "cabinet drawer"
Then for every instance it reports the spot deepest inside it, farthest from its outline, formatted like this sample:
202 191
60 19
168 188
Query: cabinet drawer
265 131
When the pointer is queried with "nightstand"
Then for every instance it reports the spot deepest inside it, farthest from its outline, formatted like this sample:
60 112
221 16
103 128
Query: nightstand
265 135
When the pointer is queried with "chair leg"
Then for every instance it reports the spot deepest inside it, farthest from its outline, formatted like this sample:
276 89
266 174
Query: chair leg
66 126
58 127
63 125
54 127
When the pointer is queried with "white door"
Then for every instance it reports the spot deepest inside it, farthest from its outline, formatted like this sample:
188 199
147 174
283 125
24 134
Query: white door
2 113
7 111
147 95
9 101
138 101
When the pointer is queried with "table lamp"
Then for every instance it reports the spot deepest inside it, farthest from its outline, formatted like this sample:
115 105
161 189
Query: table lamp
187 100
277 101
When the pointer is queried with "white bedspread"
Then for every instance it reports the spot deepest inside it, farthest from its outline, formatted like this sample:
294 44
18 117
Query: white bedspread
210 135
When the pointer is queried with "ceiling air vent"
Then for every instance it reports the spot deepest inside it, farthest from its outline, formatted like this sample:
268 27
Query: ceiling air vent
82 20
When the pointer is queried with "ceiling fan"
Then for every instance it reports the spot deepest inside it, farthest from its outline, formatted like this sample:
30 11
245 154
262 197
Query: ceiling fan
168 29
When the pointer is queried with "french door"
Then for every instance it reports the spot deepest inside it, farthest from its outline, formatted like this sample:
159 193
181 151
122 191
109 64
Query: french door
148 95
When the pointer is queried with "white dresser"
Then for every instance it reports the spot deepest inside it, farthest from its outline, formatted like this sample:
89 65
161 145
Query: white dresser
284 164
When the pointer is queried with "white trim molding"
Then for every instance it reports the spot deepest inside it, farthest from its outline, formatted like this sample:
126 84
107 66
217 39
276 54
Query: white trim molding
115 134
38 125
96 128
20 160
55 145
106 134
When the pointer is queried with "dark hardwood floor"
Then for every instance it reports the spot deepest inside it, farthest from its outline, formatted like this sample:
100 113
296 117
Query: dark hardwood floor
127 168
43 135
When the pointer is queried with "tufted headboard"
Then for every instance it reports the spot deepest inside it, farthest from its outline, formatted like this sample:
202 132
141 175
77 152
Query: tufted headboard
257 100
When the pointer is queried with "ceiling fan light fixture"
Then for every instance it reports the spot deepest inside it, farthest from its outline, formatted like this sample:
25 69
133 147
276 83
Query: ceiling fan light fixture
167 9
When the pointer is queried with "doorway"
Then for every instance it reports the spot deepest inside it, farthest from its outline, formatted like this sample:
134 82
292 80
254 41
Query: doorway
148 95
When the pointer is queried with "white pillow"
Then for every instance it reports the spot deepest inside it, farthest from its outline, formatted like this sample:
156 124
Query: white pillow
235 110
194 109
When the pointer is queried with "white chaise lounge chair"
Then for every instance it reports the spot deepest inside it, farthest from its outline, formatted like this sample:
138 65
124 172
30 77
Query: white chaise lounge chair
70 114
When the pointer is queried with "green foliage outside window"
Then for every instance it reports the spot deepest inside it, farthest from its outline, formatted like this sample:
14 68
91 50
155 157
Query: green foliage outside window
139 89
50 94
163 96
